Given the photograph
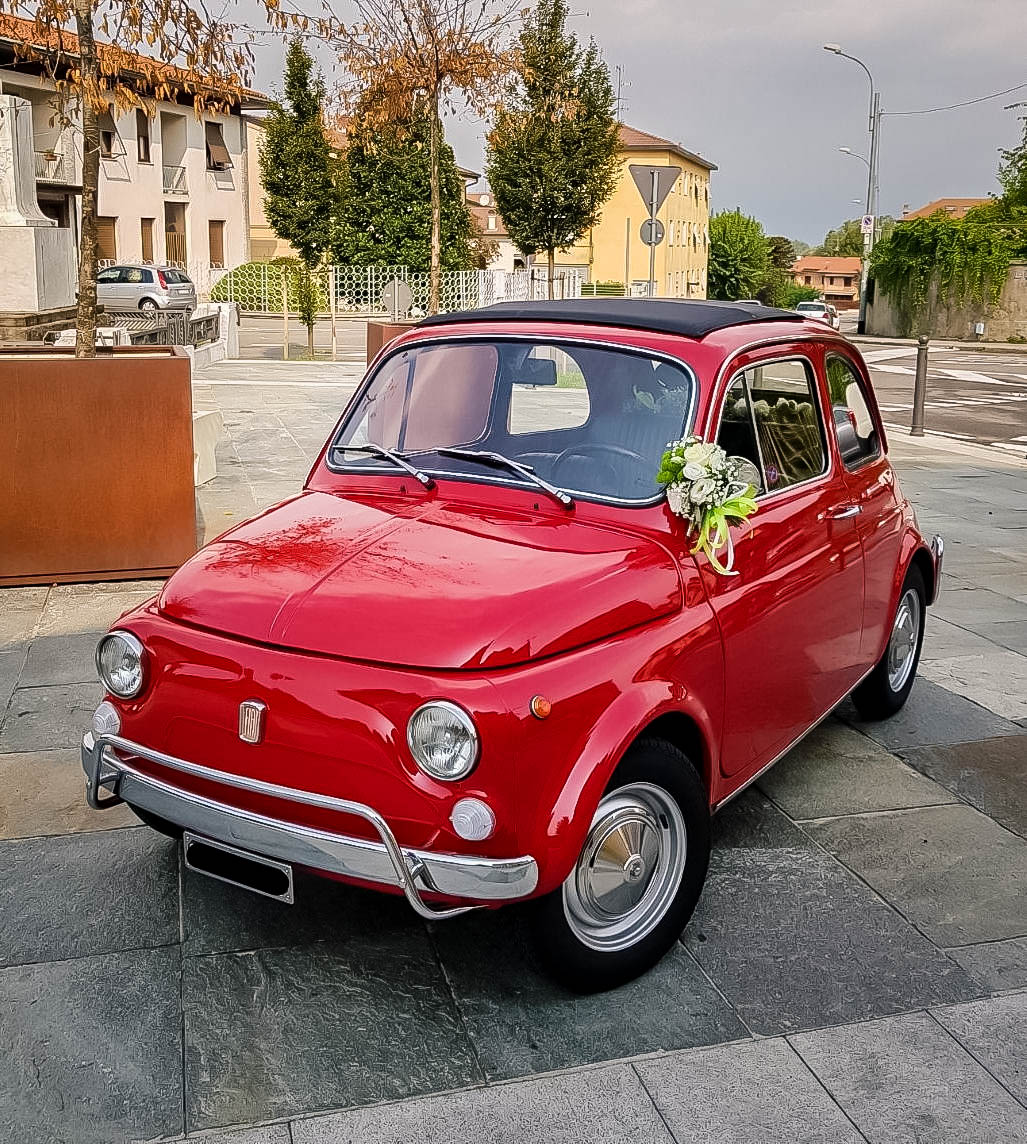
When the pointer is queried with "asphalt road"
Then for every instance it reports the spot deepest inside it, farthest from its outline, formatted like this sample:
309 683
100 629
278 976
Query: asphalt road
971 394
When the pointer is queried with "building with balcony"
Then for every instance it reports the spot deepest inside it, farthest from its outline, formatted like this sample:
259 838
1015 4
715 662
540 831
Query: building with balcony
173 185
837 279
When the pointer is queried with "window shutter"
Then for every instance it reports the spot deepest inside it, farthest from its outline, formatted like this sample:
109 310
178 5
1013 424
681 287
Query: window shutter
106 245
218 157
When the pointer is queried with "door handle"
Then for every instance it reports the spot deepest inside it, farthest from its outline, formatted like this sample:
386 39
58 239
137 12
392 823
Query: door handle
845 513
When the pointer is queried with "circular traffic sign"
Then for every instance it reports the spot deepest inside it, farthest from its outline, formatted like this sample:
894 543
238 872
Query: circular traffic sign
652 232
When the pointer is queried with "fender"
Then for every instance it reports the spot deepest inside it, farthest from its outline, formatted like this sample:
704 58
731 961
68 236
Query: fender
912 545
619 726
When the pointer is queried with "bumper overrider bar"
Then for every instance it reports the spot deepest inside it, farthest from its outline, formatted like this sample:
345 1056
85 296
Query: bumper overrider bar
938 554
111 779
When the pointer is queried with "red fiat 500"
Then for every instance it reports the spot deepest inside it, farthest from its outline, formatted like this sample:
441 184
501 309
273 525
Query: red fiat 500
476 660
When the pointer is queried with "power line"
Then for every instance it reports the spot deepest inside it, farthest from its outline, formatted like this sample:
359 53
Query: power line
965 103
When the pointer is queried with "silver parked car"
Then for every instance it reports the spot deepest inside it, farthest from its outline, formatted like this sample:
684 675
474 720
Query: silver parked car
145 288
822 311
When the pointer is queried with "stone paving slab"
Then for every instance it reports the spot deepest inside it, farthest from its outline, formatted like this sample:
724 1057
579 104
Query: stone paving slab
744 1094
997 965
837 770
90 1049
920 862
43 795
932 716
55 660
992 1032
906 1079
75 895
991 775
997 680
40 718
942 639
521 1022
275 1032
608 1104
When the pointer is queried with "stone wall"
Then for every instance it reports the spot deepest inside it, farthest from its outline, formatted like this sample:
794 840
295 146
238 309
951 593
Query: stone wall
1006 319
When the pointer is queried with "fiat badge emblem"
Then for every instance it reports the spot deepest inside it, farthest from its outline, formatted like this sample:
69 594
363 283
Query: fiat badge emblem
251 720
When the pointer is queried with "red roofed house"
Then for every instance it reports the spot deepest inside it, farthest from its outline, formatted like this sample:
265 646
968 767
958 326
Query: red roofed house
954 208
837 279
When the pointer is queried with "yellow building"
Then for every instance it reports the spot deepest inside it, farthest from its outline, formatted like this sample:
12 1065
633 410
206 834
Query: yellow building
613 250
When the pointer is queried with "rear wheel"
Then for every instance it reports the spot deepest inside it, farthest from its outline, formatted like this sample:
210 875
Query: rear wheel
886 689
637 879
148 306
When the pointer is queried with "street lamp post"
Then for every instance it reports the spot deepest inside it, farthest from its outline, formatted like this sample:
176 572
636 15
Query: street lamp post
874 126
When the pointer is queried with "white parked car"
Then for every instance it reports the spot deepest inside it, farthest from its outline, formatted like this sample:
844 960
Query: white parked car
822 311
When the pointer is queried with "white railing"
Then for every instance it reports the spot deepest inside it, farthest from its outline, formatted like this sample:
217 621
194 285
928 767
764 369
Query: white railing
54 167
361 290
174 181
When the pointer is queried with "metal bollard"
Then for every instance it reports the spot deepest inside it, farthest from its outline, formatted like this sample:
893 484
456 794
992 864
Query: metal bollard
919 387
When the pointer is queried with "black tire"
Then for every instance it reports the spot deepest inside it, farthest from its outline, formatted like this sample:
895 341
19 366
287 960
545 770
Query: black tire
148 306
156 822
656 765
876 697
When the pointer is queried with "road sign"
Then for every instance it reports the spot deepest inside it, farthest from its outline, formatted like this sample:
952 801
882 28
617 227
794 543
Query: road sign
397 299
652 232
866 225
666 177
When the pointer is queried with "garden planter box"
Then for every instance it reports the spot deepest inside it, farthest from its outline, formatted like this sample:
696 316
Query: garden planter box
381 333
96 464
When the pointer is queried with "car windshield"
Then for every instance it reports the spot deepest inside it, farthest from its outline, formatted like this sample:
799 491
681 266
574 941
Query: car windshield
588 419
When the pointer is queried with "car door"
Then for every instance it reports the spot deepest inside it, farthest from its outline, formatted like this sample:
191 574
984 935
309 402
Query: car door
109 288
873 496
791 617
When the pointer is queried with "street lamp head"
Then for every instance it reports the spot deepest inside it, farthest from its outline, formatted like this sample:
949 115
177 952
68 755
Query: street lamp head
845 150
836 48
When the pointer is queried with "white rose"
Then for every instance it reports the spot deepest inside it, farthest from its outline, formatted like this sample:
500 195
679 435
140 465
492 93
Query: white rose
702 491
692 472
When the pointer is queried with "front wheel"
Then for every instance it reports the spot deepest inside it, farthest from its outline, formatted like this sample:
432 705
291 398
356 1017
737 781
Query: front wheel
887 687
637 879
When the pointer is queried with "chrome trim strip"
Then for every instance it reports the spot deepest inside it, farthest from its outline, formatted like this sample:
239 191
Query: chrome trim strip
938 552
587 496
794 743
385 862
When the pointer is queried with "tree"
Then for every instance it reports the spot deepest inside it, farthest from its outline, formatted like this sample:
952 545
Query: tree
153 37
782 252
739 256
1012 172
385 217
552 153
300 172
846 241
408 60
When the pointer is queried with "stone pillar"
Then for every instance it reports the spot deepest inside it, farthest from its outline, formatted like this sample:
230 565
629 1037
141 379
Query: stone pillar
37 255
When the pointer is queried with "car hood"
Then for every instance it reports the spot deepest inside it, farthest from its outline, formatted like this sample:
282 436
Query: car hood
436 585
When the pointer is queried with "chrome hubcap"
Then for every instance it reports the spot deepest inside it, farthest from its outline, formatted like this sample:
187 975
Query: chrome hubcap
629 870
902 646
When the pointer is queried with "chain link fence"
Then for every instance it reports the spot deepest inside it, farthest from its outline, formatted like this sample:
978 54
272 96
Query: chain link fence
370 291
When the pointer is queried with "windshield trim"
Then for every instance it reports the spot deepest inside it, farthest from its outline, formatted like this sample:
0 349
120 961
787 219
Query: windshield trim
489 479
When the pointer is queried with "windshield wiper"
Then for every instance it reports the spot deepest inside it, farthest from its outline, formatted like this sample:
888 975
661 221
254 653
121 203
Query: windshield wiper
387 455
497 460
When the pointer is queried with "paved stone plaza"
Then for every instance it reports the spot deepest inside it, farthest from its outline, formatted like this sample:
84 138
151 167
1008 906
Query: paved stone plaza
856 970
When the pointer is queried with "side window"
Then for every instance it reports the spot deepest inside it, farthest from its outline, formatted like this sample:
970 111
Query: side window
547 392
853 424
109 276
771 417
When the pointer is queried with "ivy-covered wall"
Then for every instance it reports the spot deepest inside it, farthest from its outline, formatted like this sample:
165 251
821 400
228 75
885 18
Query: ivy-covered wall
1004 320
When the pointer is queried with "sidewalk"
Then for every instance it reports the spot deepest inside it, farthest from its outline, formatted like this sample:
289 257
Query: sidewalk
856 970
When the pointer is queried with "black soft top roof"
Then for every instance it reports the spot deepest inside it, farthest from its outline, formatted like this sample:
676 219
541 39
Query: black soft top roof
691 318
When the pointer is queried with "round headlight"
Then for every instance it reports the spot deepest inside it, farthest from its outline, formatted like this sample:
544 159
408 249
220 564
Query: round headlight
121 662
443 740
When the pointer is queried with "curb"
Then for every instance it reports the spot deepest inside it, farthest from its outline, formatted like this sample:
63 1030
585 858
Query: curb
942 344
900 433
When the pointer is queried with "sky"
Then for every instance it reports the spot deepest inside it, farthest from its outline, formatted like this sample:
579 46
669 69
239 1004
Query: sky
747 85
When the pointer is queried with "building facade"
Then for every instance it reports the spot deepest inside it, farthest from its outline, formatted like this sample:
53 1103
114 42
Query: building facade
613 250
836 279
954 208
173 185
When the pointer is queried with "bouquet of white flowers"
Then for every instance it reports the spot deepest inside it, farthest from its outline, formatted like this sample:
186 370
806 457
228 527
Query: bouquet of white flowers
704 486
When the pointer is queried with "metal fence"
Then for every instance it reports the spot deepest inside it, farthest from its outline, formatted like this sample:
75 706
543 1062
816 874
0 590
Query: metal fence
271 287
164 327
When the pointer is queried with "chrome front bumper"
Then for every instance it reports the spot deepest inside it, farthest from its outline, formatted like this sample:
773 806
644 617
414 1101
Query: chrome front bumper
111 779
938 552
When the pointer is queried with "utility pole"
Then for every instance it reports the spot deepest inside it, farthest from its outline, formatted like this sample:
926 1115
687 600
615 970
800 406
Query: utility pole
654 206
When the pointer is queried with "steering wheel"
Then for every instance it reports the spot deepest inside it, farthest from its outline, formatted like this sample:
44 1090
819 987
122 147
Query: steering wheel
590 450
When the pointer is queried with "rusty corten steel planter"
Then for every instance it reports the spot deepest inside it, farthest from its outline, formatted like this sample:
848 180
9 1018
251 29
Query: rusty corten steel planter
96 464
381 333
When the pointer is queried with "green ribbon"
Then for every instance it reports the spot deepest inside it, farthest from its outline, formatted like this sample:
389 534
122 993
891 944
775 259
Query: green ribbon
714 529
